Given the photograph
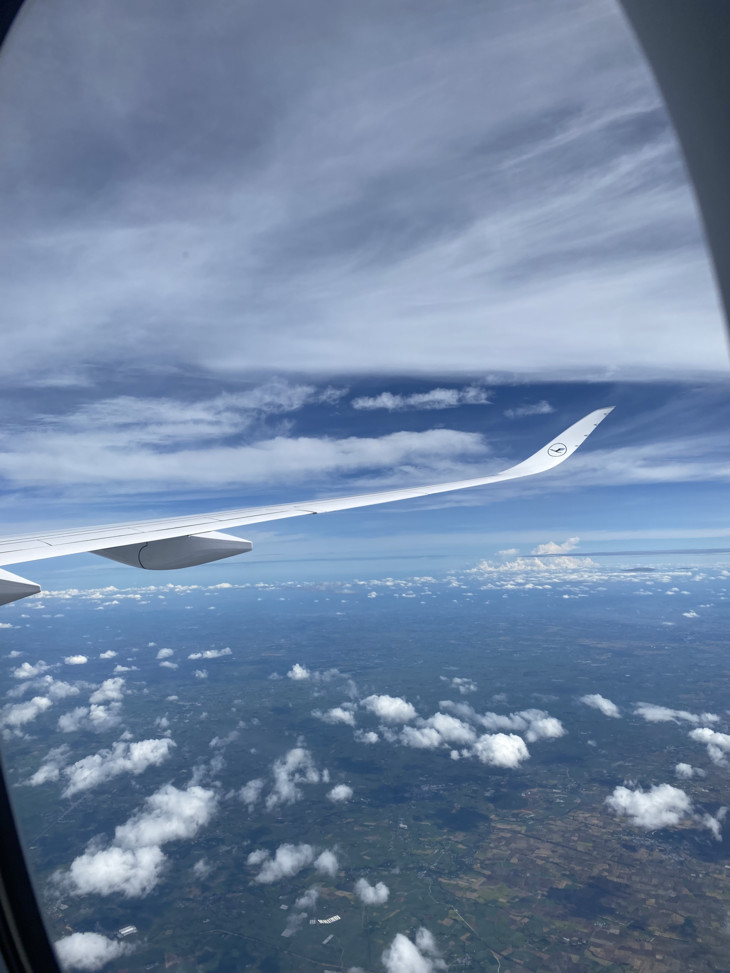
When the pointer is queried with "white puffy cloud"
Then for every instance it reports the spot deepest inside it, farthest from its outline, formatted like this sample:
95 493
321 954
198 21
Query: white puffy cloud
463 685
288 860
170 814
18 714
338 714
109 654
251 792
438 398
169 665
501 749
371 894
366 736
687 771
133 863
662 806
201 673
111 690
50 769
544 728
95 717
58 689
164 654
421 738
76 660
390 709
552 547
256 857
122 758
27 671
298 672
89 950
340 793
603 705
718 744
327 863
663 714
308 899
403 956
131 872
536 724
451 729
210 654
295 768
202 868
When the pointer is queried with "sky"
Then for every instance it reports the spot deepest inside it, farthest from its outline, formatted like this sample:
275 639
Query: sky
264 251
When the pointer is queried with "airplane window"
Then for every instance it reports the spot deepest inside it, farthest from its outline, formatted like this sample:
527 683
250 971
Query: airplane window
265 254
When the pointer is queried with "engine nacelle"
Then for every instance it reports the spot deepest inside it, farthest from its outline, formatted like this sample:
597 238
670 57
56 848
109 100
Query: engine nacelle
178 552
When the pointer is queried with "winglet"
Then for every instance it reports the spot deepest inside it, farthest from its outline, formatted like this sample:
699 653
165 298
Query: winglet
12 587
559 449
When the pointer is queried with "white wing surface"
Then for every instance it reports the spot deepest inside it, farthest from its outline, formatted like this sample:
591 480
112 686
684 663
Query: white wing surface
175 542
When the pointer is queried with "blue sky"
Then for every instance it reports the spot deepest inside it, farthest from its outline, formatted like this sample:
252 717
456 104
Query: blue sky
267 252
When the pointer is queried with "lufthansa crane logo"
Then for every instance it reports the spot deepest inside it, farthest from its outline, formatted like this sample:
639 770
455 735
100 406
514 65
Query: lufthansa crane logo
557 449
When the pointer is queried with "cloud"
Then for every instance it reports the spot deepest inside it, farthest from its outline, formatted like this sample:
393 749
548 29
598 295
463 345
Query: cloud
404 956
662 806
338 714
76 660
111 690
371 894
170 814
541 408
501 750
129 758
18 714
390 709
131 872
687 771
298 672
421 738
133 863
603 705
257 857
663 714
202 868
438 398
50 769
288 860
251 792
28 671
164 654
536 724
327 863
340 793
169 665
552 547
308 899
718 744
366 736
109 654
95 717
295 768
210 654
89 950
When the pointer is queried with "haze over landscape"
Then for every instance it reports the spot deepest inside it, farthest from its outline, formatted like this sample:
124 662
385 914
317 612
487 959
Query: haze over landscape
270 252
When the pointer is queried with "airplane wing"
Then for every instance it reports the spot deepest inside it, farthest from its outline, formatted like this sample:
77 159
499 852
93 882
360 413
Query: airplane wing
177 542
